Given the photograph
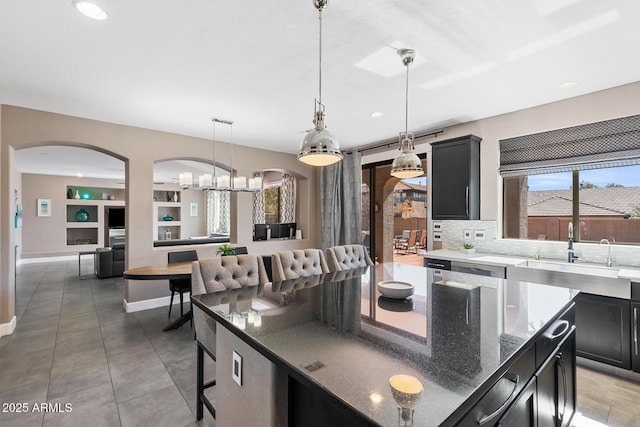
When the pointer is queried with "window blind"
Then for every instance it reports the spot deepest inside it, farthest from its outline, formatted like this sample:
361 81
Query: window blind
609 143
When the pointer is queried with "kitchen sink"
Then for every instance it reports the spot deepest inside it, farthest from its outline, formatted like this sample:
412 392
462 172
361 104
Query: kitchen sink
593 279
588 269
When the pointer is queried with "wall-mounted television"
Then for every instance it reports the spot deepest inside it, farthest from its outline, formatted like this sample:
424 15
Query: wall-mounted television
115 217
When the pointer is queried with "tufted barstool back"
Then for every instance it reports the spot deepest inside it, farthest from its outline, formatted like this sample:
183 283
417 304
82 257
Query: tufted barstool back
347 257
298 263
227 272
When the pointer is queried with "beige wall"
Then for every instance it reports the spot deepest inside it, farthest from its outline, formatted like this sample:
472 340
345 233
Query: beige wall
139 149
612 103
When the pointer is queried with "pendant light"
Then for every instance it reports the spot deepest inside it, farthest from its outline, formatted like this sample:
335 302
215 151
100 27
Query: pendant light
319 147
209 182
407 164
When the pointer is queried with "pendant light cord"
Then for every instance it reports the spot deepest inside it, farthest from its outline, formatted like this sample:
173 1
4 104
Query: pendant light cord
320 58
214 151
406 107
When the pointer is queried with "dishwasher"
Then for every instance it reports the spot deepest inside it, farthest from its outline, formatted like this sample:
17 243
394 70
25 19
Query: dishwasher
466 267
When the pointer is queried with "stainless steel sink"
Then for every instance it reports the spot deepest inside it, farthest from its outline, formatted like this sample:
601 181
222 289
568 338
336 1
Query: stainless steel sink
589 269
593 279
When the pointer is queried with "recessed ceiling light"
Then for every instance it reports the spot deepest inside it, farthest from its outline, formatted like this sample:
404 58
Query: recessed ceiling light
568 85
377 114
89 9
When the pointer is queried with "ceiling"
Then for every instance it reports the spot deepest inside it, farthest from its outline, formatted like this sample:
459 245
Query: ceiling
171 65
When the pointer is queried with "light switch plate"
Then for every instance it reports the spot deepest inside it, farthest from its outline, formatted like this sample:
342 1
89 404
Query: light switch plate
467 234
236 368
479 234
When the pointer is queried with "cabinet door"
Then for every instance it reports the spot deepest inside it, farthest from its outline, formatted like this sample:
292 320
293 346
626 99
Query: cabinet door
603 331
456 178
635 336
556 385
523 412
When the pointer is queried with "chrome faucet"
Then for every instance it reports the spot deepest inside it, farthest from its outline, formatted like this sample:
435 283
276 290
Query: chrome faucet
571 256
609 262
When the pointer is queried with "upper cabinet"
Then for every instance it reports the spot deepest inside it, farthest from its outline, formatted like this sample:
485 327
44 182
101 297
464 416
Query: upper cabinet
455 178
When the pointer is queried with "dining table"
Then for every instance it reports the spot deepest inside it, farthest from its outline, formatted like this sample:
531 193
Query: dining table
175 270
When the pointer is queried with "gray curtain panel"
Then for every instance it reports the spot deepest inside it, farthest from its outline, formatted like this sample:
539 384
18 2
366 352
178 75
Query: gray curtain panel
341 202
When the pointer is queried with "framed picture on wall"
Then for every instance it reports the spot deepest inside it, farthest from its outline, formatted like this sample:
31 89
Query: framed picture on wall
194 209
44 207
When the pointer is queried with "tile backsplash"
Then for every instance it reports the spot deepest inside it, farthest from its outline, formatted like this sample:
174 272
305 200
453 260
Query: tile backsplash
482 234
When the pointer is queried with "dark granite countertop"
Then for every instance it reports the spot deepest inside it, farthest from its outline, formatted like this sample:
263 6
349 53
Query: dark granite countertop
453 334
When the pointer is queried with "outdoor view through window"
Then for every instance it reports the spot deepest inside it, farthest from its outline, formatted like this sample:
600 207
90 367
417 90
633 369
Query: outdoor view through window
541 206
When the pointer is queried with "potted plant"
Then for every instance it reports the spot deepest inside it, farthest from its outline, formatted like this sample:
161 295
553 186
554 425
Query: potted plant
468 248
225 250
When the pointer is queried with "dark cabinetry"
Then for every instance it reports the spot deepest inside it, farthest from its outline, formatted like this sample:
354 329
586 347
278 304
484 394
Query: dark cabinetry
456 178
556 385
539 388
604 329
635 326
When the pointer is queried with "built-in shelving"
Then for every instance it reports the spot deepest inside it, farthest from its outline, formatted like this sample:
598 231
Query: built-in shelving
163 206
89 233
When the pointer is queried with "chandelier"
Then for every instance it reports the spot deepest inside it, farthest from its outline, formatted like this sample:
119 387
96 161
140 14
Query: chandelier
211 182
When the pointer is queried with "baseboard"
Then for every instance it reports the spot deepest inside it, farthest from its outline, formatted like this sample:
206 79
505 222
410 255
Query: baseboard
8 328
608 369
147 304
47 259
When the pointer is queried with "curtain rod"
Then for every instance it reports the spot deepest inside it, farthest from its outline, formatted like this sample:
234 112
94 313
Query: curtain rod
390 142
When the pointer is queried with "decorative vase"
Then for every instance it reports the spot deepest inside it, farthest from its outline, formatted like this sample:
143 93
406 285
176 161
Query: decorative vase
82 215
69 194
175 196
167 218
77 196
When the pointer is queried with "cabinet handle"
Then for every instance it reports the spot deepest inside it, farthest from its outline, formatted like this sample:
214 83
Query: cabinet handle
549 333
433 265
466 197
635 329
564 387
502 407
467 310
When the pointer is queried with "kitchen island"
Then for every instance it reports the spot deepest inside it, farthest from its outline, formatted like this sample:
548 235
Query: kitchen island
322 350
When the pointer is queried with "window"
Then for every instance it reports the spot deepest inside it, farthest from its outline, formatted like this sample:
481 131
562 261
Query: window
606 201
218 212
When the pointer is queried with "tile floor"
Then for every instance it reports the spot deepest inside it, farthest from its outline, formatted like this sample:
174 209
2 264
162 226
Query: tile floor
75 345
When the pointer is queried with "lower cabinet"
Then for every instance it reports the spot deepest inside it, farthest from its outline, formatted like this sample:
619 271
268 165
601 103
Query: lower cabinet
523 412
635 325
604 326
556 385
539 388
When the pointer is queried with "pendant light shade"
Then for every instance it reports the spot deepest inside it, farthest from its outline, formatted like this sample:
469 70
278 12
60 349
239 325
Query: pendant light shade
407 164
319 147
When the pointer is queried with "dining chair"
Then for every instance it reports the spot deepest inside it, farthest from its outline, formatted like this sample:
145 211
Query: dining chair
233 278
180 285
346 257
298 263
227 272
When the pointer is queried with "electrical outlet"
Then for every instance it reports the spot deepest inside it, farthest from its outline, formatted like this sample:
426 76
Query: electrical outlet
236 369
467 234
437 226
478 234
437 237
